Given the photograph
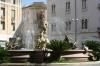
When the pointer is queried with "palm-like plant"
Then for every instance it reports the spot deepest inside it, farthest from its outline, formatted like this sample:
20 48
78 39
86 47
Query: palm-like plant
95 46
57 46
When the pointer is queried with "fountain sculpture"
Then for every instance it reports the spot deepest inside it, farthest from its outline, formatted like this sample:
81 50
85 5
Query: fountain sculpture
14 43
40 42
42 37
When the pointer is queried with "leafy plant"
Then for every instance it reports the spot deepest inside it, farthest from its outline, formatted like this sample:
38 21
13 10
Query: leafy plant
95 46
57 46
4 58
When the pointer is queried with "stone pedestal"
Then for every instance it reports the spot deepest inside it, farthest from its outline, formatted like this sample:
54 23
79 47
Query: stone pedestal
37 56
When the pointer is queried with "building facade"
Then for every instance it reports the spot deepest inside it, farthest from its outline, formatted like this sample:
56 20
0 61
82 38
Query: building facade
10 18
30 20
78 19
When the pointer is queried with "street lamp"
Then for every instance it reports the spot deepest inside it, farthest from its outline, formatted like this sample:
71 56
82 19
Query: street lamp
75 20
75 34
75 23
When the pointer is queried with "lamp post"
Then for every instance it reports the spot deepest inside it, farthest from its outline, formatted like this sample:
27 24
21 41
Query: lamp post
75 23
75 20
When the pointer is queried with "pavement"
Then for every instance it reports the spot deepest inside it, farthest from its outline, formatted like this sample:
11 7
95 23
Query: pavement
96 63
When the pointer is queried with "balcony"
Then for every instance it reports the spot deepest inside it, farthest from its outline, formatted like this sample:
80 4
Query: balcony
2 18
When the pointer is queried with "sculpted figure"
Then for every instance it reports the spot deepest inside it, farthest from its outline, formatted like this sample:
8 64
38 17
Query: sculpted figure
42 38
73 45
14 44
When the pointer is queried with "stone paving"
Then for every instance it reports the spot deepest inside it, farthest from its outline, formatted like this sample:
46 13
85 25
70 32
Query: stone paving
54 64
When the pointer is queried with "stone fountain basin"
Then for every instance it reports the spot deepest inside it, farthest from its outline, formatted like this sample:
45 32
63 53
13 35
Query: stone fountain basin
20 56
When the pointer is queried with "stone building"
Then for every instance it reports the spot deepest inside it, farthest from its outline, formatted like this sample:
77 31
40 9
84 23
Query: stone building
10 18
78 19
29 27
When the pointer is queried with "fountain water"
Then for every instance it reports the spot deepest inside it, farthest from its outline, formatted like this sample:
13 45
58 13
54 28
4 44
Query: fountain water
29 40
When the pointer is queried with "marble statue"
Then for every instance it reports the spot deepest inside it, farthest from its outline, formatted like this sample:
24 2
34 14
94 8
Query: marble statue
42 38
14 44
73 45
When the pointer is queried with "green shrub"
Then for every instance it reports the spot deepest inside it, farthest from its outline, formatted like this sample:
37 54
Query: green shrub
95 46
4 58
57 46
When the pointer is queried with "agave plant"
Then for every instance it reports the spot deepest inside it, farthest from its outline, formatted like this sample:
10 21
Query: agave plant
95 46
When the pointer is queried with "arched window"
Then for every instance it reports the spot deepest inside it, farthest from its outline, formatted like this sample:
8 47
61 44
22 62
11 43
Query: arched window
84 23
68 25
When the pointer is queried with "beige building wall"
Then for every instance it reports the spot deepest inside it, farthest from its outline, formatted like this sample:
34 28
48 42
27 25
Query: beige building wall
8 32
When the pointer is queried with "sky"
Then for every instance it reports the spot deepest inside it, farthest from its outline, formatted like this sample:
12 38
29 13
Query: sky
29 2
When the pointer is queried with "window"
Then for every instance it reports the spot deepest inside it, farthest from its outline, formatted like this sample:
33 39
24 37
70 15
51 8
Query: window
84 24
53 7
13 1
2 25
68 25
13 26
2 11
3 0
67 6
84 4
53 27
38 15
13 15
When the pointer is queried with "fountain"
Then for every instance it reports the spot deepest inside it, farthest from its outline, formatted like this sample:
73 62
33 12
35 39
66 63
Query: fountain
33 48
28 43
